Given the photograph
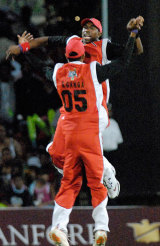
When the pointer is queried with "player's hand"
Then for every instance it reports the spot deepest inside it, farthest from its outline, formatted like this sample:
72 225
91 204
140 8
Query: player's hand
26 37
135 23
12 51
139 21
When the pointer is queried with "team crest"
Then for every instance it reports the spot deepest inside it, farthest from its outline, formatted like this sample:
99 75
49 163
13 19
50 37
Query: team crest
72 74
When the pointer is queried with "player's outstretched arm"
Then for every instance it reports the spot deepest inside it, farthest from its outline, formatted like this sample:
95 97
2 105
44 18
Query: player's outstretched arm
136 23
28 43
15 50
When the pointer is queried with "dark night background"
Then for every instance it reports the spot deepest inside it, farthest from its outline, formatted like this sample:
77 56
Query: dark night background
135 94
135 98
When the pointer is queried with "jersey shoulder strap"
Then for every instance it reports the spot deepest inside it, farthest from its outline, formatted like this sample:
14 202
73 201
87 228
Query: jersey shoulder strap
105 60
57 66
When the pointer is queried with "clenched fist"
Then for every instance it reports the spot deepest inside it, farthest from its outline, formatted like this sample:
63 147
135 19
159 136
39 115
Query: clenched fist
135 23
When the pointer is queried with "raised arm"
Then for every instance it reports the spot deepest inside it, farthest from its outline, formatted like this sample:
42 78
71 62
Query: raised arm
115 50
116 66
15 50
133 24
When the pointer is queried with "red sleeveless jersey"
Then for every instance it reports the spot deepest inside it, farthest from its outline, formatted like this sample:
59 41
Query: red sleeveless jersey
96 51
81 95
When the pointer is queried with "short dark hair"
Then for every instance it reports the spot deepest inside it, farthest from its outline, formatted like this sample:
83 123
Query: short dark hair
73 54
74 59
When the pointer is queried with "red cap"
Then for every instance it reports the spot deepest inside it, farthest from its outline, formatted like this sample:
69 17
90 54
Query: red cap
95 22
75 45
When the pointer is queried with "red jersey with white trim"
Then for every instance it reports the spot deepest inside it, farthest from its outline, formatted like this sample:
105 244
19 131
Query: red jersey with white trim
96 51
93 52
81 95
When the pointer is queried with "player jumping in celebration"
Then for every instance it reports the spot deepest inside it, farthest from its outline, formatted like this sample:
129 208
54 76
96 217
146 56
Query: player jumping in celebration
82 132
96 50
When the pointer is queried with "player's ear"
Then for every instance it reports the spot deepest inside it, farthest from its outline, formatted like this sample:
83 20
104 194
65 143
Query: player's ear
66 57
99 34
83 56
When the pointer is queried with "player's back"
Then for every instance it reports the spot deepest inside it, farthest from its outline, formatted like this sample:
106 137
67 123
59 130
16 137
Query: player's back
81 95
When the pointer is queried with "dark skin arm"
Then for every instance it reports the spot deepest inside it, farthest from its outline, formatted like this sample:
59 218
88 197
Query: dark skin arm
136 23
139 46
53 41
14 50
39 42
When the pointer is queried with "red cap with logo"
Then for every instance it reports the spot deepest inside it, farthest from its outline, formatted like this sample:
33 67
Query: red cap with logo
75 48
95 22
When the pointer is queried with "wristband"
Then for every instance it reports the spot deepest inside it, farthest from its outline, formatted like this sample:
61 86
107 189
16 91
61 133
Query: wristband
135 31
20 48
24 47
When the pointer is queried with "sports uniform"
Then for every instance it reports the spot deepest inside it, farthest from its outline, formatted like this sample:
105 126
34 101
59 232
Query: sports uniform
80 89
82 95
94 51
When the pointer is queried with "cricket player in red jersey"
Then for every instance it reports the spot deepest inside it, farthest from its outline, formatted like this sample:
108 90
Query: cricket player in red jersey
96 50
79 87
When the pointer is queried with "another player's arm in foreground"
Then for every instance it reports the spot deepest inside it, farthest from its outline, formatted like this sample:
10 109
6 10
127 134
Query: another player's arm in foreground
116 66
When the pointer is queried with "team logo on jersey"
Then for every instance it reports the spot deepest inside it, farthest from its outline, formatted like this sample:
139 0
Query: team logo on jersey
72 74
145 232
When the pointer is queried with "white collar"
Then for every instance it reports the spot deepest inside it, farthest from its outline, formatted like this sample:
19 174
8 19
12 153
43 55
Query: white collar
77 62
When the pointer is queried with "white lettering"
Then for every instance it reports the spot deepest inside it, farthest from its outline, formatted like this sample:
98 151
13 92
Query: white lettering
14 232
37 234
77 233
90 233
2 237
47 235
